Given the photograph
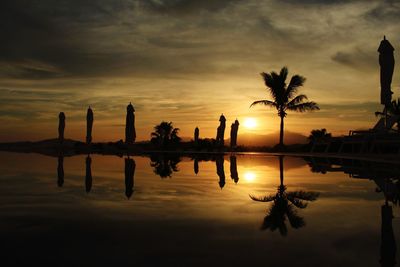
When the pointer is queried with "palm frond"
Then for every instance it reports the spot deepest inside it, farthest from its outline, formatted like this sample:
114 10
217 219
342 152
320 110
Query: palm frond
295 82
283 74
295 220
297 100
264 102
298 203
303 195
263 199
303 107
154 134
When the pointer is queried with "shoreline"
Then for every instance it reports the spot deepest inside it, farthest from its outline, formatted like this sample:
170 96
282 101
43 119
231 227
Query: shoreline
69 148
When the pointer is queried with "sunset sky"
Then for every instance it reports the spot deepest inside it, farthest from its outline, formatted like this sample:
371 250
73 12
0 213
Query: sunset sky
188 61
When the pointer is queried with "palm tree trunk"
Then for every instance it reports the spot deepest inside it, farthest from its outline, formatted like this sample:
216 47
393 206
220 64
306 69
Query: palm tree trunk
281 133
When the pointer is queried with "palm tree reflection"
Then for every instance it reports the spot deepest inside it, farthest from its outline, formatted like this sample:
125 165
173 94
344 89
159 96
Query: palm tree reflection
164 165
284 206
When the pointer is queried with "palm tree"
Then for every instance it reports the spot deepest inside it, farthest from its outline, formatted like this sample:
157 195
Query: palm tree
165 134
284 96
393 110
284 204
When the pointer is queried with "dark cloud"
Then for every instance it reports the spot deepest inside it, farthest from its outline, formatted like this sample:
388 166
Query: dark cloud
186 6
52 34
386 11
321 2
357 59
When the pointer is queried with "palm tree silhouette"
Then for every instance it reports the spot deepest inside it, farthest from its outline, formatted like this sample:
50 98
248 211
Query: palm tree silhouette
284 204
393 110
165 134
284 97
164 165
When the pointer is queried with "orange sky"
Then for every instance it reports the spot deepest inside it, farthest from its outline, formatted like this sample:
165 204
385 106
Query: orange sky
187 62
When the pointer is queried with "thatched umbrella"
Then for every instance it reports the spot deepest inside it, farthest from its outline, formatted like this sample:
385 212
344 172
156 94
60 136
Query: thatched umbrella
130 166
234 133
88 177
60 171
196 135
233 167
89 125
61 126
130 132
221 130
386 62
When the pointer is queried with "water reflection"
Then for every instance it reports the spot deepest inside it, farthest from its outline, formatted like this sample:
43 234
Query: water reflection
130 167
60 171
164 165
283 206
349 222
386 177
233 168
219 162
196 165
88 176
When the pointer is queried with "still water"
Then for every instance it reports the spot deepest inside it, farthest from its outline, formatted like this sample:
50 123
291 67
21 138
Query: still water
243 210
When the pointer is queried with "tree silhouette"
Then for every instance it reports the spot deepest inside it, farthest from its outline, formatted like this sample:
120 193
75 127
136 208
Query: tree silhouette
165 134
283 206
392 110
319 134
284 96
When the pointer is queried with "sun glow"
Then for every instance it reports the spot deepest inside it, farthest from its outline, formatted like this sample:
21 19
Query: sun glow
249 176
250 123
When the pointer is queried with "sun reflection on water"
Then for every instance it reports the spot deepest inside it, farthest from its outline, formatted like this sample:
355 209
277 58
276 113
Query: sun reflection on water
249 176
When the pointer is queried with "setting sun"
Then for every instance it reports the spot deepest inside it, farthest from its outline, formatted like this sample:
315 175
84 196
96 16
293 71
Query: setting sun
250 123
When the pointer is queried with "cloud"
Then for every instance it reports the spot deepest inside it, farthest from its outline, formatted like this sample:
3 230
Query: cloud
186 6
356 58
387 11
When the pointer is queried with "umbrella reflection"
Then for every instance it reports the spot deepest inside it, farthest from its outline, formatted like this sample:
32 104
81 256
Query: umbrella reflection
88 177
130 166
219 161
233 168
60 171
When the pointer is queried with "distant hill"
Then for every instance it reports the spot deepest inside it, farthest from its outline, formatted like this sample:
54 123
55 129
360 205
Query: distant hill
248 139
271 139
